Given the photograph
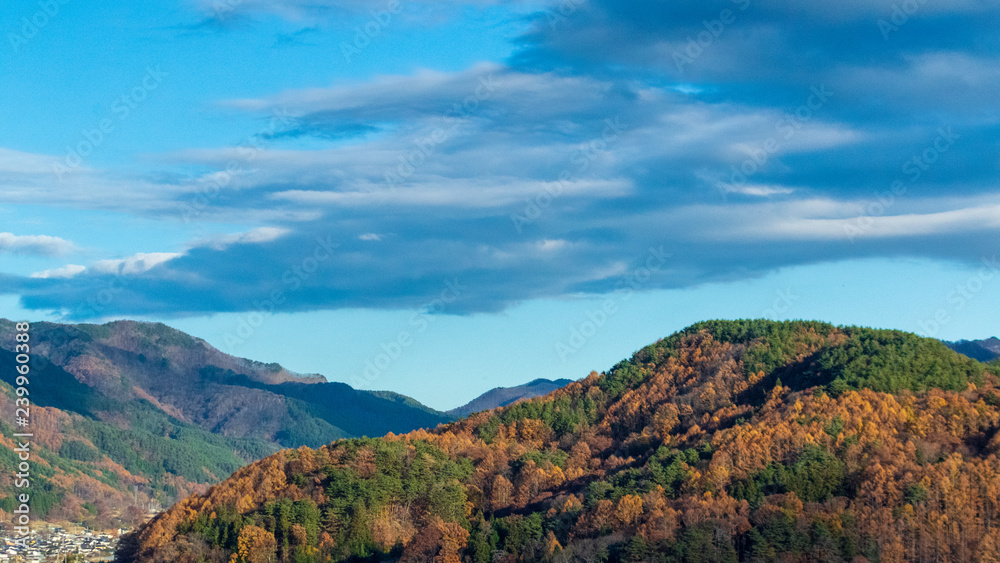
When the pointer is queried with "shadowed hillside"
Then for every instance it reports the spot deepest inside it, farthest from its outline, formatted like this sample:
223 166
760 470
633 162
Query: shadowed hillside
983 350
127 415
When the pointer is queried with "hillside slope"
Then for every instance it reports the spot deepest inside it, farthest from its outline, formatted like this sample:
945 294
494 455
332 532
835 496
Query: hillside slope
131 414
728 441
503 396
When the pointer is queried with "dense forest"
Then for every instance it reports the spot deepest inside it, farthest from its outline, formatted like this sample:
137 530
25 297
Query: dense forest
728 441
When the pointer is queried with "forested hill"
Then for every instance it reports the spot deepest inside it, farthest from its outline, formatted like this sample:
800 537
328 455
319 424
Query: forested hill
130 411
728 441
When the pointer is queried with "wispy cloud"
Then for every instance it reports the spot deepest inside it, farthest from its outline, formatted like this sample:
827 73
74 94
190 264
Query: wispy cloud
132 265
793 125
459 193
67 271
311 12
43 245
256 236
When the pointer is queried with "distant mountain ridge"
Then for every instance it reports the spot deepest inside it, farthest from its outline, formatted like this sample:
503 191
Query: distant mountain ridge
130 410
503 396
985 350
188 379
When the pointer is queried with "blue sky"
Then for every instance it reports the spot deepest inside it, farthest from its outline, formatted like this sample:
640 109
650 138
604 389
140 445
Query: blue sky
437 197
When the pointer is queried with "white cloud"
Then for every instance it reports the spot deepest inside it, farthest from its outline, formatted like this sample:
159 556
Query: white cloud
34 244
256 236
65 272
135 264
827 219
551 245
311 12
370 237
88 189
965 220
25 163
434 94
459 192
142 262
759 190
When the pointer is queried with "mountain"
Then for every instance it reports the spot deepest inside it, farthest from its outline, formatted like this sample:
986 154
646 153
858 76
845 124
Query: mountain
503 396
186 378
982 350
128 414
727 441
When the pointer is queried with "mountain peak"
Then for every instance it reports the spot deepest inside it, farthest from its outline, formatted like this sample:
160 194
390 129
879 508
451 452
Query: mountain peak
503 396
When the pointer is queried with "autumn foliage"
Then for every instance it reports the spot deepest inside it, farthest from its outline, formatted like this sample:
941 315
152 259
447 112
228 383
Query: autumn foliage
729 441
